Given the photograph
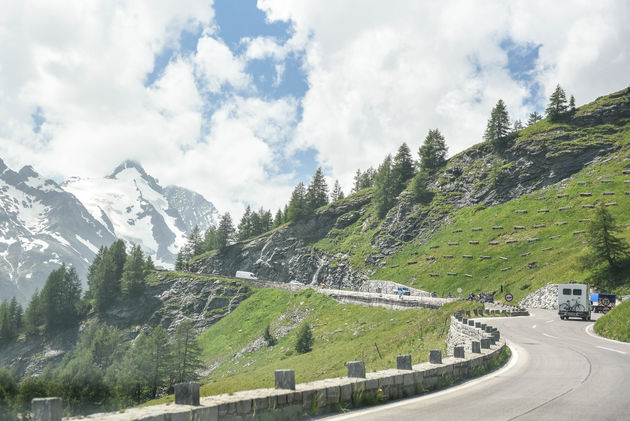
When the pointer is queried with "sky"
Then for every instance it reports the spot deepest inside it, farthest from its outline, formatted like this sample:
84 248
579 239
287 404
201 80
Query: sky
240 100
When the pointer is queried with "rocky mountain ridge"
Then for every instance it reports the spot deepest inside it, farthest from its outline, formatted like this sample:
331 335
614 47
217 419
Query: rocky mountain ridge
538 157
44 224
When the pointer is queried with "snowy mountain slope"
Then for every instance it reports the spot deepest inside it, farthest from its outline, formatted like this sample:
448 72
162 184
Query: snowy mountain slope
137 209
41 226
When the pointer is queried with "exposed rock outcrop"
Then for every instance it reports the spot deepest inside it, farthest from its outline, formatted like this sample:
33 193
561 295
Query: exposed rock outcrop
546 297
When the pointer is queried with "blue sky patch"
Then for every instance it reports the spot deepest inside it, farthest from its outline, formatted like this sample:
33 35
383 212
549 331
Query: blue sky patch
522 67
38 120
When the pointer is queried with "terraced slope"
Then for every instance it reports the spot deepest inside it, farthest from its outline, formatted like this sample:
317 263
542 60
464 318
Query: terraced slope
522 244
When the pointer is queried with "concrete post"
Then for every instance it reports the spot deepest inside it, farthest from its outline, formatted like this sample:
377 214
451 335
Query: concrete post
47 409
285 379
187 393
403 362
476 347
356 369
435 356
458 352
485 343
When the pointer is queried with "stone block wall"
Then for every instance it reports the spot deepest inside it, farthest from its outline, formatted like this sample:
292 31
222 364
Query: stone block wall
319 397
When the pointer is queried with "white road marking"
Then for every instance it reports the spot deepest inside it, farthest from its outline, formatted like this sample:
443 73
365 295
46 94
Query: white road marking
549 321
533 326
610 349
550 336
386 407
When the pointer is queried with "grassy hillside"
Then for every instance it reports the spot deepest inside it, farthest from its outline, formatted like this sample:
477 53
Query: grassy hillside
521 260
342 332
616 323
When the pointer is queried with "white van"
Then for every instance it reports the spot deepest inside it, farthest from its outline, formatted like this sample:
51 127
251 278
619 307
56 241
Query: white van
574 301
245 275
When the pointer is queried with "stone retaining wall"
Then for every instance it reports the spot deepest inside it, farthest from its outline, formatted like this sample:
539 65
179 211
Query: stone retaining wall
330 395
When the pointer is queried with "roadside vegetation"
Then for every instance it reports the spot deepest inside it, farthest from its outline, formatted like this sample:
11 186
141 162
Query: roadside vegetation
616 323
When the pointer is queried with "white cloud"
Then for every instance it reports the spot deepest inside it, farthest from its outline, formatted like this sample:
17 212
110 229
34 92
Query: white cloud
380 75
218 66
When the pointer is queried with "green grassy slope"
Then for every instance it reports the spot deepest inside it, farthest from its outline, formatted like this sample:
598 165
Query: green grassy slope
616 323
342 332
520 266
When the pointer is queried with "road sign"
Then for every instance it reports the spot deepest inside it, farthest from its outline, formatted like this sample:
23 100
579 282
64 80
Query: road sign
605 301
508 297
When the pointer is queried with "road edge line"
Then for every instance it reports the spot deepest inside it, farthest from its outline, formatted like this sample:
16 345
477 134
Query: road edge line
514 357
591 332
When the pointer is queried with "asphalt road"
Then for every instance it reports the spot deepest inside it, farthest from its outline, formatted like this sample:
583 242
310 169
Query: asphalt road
559 370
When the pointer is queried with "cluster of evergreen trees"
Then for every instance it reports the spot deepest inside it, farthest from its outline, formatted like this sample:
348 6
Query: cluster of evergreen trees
499 130
11 314
106 372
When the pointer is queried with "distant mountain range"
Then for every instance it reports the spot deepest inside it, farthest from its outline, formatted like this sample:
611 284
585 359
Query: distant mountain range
43 224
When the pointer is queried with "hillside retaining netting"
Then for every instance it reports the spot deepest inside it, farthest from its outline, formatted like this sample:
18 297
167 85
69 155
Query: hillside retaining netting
478 350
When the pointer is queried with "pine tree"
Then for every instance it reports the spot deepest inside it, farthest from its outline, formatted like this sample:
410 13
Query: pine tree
210 239
337 193
297 205
195 242
59 298
268 337
245 226
134 274
304 341
498 127
534 118
179 261
33 317
384 196
278 219
226 233
186 353
266 220
518 126
605 245
433 152
557 104
572 104
256 224
356 186
103 280
317 192
419 187
149 265
119 255
402 169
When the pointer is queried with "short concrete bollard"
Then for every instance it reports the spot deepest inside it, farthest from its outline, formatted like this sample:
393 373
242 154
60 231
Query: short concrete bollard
47 409
187 393
471 322
458 352
435 356
476 347
477 324
465 321
285 379
485 343
356 369
403 362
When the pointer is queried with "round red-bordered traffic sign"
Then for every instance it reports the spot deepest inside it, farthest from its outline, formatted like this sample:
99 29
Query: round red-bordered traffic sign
508 297
605 301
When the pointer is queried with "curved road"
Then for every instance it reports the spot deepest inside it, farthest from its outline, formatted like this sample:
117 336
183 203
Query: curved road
559 371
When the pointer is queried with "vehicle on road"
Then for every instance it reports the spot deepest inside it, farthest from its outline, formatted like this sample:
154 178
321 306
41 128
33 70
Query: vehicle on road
245 275
573 301
403 291
602 302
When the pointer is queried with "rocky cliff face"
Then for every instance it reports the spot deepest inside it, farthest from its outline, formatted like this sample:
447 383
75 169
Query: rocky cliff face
203 300
285 254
